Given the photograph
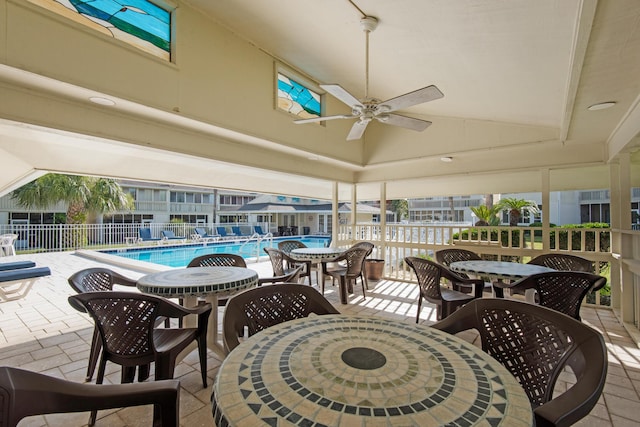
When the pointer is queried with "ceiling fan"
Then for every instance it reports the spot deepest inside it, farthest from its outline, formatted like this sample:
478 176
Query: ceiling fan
368 109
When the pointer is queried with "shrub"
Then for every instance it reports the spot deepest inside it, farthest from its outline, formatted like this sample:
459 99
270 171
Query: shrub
576 238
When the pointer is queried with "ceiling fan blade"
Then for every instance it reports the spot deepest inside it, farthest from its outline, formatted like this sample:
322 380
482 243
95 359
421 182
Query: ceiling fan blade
357 130
325 118
404 121
344 96
426 94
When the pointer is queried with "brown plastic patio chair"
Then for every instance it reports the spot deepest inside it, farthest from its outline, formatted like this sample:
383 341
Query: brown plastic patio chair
292 276
265 306
429 275
563 291
95 280
448 256
282 264
126 321
369 247
25 393
287 246
563 262
536 344
347 274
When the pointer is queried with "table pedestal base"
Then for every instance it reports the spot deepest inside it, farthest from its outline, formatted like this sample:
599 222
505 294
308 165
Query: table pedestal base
212 328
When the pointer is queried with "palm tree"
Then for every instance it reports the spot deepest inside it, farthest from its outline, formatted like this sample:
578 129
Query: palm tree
83 195
516 207
486 215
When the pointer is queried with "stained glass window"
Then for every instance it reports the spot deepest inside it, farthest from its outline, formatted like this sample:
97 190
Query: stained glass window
297 99
137 22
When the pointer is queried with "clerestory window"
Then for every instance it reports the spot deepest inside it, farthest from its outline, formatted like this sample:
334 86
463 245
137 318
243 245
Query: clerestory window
148 23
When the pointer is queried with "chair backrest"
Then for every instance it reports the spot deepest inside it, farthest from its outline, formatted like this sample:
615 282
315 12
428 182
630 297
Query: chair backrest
366 245
97 279
169 234
265 306
428 274
125 321
354 259
287 246
563 291
145 233
277 258
200 231
447 256
258 229
218 260
535 344
563 262
222 231
236 230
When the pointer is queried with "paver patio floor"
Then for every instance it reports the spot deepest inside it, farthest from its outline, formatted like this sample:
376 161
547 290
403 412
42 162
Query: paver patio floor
43 333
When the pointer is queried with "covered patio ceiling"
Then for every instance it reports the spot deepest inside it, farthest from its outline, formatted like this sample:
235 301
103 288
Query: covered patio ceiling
518 78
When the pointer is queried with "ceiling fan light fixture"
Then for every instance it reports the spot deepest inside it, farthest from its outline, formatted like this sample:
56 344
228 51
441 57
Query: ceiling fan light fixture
446 159
601 105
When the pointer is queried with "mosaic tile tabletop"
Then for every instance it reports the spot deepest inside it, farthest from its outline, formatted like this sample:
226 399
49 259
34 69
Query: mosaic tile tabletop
338 370
315 254
498 269
198 281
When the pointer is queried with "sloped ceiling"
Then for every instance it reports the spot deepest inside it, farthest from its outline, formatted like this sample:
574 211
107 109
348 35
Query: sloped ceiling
517 76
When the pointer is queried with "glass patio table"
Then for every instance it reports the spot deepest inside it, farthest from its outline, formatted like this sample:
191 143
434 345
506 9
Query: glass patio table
338 370
194 282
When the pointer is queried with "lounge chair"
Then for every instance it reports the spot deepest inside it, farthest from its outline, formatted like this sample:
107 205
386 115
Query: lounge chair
145 235
238 232
202 235
170 235
17 279
222 231
258 229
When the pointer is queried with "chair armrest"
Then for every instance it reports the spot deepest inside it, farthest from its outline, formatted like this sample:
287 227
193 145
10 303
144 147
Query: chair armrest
584 394
119 279
37 394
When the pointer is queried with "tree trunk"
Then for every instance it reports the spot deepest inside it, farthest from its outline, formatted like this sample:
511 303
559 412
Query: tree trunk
514 217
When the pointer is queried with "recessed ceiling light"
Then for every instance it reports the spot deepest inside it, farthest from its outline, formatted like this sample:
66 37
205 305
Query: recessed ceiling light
446 159
102 101
601 105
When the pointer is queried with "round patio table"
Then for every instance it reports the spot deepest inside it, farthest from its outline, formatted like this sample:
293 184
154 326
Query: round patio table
337 370
498 270
194 282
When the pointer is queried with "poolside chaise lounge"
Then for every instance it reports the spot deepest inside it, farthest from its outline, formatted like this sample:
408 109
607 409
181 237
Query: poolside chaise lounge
170 235
258 229
238 232
222 231
202 235
17 279
145 235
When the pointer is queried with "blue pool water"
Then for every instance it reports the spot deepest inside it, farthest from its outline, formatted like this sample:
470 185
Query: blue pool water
181 255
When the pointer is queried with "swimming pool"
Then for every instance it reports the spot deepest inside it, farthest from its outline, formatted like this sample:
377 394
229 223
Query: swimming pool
181 255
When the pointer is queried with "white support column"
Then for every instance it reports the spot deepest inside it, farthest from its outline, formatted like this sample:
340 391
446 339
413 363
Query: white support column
354 213
546 209
383 218
622 279
334 216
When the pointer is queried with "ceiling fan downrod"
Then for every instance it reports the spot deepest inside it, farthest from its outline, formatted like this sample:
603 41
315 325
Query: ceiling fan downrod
368 24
